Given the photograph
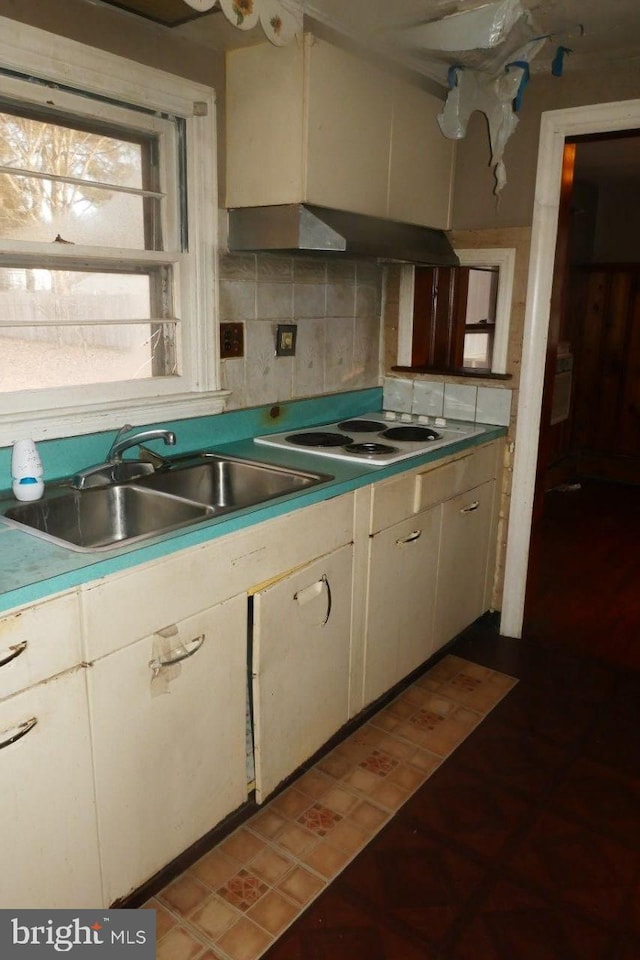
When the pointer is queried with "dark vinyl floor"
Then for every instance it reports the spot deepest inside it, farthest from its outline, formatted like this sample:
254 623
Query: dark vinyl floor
525 844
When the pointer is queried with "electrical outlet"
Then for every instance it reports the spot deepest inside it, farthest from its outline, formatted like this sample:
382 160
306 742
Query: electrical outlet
231 340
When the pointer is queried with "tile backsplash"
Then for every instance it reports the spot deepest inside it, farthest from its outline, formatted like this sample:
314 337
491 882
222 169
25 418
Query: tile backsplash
460 401
336 306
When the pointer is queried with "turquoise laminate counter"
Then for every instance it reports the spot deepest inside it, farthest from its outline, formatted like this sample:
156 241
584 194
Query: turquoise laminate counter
32 568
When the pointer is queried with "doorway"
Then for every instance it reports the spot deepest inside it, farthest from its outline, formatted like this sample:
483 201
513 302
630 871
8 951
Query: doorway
556 127
584 564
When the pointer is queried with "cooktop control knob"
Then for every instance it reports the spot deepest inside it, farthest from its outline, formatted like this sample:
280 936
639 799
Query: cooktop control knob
389 415
440 422
423 418
405 417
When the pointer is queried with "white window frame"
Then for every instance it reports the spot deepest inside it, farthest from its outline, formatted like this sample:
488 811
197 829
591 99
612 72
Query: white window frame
58 412
504 258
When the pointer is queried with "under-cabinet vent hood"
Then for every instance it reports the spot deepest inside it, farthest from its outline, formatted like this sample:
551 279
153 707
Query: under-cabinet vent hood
304 228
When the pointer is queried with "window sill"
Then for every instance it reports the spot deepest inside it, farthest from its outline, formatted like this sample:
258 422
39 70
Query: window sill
51 425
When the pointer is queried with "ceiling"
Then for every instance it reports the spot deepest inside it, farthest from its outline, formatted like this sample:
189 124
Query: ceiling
599 32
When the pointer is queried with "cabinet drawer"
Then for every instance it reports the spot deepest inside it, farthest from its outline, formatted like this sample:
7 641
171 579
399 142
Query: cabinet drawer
39 642
392 501
128 606
401 497
450 479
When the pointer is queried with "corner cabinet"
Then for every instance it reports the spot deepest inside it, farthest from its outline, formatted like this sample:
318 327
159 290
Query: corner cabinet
332 129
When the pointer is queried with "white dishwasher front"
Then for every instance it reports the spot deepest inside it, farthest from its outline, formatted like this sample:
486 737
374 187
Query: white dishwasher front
300 665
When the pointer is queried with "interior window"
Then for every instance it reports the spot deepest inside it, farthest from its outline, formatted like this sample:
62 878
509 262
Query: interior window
480 318
456 319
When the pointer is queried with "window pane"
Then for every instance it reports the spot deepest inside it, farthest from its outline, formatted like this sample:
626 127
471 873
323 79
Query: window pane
40 296
75 355
36 208
478 349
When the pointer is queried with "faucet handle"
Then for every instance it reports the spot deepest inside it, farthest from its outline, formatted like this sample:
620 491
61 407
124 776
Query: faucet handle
124 429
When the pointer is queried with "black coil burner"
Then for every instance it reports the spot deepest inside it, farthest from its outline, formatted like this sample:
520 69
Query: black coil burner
370 449
361 426
319 439
411 433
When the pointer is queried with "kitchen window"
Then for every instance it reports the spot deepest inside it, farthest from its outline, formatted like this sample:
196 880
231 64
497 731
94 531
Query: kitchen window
107 230
455 320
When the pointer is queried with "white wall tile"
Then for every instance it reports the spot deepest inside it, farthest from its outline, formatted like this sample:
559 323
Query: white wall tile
308 363
334 351
397 394
428 398
460 401
268 378
493 406
275 301
338 354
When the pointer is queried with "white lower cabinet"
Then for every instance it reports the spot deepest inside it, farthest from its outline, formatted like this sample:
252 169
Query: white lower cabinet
48 832
300 665
168 726
462 594
403 563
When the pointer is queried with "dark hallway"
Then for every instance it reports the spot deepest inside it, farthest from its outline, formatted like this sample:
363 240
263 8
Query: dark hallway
586 589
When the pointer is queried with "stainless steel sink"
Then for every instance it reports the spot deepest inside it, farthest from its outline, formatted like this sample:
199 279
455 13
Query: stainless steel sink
105 517
226 483
187 491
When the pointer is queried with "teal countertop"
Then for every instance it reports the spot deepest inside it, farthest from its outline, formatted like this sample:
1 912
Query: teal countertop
32 568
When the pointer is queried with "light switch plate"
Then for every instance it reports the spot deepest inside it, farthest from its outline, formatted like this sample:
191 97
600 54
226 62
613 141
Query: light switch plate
286 339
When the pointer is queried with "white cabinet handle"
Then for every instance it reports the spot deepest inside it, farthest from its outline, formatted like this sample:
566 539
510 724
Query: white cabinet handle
14 652
410 539
313 590
17 733
183 652
472 506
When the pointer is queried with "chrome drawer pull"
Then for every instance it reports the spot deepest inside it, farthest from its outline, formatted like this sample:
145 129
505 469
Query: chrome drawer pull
17 733
307 593
187 650
410 539
15 652
472 506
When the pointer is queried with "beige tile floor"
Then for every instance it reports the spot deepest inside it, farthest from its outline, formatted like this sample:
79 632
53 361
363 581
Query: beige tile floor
237 899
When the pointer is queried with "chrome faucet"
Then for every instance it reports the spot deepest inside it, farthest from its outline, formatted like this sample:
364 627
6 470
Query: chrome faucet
117 470
120 445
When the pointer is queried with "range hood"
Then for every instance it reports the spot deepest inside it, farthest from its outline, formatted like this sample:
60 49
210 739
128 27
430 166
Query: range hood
305 228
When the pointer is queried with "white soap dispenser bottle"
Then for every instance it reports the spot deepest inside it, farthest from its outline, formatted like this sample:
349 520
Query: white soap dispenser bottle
26 471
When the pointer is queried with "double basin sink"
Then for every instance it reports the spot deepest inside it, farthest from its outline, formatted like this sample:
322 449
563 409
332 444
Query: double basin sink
185 491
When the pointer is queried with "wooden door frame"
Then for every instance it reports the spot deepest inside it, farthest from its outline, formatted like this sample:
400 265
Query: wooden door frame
555 127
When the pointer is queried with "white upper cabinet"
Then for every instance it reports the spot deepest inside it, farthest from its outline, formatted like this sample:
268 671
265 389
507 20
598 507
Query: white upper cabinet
422 160
314 123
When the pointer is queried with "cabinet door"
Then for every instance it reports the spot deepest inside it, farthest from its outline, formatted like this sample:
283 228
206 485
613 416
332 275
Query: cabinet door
422 158
169 741
348 131
301 649
402 582
464 552
48 831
